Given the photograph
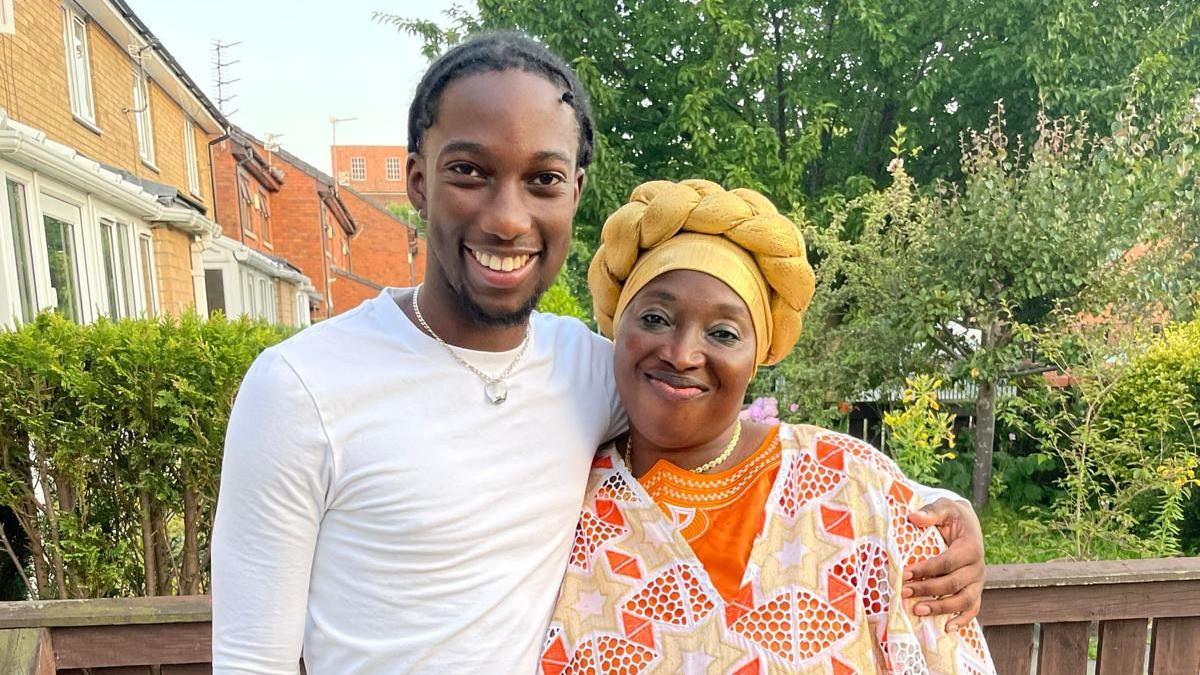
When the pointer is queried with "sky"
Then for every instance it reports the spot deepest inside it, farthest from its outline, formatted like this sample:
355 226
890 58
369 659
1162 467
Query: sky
301 63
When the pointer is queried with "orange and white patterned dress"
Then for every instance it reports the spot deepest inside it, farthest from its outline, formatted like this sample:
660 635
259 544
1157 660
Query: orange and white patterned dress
816 594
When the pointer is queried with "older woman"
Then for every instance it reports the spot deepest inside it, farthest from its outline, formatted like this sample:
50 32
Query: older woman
711 545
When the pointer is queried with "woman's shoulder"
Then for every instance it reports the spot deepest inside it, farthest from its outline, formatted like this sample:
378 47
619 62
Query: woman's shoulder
838 451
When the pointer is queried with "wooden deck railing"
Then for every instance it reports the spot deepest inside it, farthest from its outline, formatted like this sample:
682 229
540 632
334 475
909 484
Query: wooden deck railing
1145 613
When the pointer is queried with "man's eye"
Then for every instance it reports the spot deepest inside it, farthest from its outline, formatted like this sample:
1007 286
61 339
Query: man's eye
548 179
465 170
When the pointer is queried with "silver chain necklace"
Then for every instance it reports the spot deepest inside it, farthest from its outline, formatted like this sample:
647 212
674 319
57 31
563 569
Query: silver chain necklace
495 388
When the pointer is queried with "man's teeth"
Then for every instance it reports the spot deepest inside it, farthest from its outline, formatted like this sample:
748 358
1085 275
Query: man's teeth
494 262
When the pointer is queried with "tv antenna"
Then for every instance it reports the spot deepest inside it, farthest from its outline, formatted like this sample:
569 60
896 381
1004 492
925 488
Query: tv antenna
220 71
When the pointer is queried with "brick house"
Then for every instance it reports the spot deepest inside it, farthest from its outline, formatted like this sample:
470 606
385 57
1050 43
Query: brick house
105 180
375 171
244 273
349 245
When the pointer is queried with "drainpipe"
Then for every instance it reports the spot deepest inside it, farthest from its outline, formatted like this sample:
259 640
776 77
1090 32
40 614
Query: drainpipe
325 259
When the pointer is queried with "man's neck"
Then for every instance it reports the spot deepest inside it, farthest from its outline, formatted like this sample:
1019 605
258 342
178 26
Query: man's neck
447 319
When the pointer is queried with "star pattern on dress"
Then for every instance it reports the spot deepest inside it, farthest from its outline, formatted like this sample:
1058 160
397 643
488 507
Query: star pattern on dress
589 604
696 662
791 554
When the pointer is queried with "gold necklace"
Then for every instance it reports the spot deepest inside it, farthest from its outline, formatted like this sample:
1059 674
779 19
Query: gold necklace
707 466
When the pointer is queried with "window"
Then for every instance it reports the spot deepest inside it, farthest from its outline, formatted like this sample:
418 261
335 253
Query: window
264 210
248 306
79 69
358 168
62 222
141 112
18 219
245 202
214 288
189 152
8 24
395 169
266 300
147 246
118 269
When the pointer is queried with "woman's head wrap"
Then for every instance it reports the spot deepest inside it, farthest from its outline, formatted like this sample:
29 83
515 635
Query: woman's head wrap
736 236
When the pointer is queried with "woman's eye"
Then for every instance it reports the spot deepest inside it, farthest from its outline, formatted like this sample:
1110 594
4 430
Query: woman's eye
654 320
725 335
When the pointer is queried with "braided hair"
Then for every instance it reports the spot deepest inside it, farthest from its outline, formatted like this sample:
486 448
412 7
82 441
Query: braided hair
497 52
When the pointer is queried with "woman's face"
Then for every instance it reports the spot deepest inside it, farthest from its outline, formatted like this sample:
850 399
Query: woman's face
685 353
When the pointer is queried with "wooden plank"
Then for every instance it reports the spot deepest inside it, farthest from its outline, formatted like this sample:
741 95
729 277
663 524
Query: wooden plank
106 611
26 651
1011 648
1038 575
1122 646
188 669
1090 603
1063 649
134 645
1175 646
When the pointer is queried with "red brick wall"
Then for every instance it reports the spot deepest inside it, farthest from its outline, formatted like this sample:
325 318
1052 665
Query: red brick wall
348 293
224 177
379 251
376 187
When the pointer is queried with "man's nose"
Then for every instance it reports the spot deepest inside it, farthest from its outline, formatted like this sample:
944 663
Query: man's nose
507 215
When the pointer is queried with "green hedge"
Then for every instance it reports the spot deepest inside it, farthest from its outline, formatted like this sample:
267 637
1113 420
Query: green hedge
111 437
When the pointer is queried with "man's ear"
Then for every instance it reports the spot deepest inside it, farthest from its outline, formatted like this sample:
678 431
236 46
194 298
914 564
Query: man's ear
580 181
415 183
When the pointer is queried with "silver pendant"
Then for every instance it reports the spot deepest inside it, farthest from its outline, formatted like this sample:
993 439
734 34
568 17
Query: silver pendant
496 390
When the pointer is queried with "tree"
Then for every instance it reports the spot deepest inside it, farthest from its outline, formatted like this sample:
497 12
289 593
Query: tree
799 100
963 279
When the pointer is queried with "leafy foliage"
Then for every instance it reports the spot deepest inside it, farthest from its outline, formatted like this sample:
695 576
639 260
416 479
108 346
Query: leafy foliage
110 442
1126 476
920 429
409 216
558 299
962 279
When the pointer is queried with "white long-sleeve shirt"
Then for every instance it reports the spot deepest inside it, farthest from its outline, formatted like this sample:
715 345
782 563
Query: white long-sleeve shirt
377 510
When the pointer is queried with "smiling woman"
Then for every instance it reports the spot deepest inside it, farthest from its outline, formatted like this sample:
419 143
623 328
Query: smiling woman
709 545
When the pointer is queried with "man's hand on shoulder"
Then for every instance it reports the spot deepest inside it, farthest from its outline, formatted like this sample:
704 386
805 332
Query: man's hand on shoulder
952 582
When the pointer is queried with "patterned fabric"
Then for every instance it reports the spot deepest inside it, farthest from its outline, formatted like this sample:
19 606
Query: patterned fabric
817 592
719 515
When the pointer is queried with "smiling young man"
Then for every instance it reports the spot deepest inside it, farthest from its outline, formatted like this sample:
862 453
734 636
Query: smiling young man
401 483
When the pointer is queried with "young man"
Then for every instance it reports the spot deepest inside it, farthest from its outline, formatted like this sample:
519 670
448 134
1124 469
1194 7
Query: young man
401 483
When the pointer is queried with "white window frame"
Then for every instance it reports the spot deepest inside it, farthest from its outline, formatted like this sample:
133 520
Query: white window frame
358 169
395 169
120 289
190 156
84 304
145 252
11 276
8 23
141 113
83 105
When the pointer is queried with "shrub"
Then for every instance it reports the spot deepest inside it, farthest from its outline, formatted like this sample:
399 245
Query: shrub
110 447
920 430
